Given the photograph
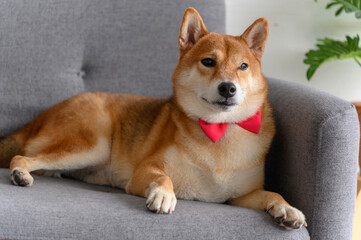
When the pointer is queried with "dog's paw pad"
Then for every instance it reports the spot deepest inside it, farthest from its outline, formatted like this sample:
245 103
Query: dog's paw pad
21 178
161 201
287 216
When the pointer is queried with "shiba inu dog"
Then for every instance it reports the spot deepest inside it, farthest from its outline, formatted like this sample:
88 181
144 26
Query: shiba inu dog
208 142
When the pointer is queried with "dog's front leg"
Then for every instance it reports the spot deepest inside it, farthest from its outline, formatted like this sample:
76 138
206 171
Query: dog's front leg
274 204
150 181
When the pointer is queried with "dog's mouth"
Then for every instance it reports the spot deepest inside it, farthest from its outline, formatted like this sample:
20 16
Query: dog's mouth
224 105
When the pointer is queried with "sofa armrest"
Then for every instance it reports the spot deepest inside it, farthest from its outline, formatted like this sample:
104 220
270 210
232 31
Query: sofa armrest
313 159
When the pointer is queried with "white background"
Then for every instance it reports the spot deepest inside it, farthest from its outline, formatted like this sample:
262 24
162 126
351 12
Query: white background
294 27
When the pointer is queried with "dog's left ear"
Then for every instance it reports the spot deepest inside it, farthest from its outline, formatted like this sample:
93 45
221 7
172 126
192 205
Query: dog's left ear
256 36
192 29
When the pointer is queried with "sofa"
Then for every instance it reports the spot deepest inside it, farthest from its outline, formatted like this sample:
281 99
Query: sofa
51 50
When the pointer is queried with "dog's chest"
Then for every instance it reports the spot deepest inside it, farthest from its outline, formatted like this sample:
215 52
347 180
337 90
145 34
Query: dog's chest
217 172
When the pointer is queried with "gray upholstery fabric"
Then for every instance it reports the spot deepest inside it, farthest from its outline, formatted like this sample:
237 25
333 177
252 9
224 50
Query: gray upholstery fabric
51 50
54 49
313 160
67 209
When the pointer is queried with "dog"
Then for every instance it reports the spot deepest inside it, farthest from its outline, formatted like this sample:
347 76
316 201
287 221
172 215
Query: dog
207 142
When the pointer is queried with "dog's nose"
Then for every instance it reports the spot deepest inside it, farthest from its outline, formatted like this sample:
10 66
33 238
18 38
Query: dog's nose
227 89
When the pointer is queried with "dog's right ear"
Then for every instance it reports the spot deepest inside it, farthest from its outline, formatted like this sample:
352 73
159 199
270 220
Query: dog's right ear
192 29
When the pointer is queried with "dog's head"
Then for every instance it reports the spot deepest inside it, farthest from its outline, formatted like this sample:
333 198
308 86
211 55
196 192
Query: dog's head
218 77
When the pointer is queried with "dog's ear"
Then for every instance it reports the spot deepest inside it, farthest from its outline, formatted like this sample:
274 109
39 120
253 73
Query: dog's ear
192 29
256 36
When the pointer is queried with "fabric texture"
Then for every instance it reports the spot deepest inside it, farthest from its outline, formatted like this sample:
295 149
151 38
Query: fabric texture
67 209
313 159
54 49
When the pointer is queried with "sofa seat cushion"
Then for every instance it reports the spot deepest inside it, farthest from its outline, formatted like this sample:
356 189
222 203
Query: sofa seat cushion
67 209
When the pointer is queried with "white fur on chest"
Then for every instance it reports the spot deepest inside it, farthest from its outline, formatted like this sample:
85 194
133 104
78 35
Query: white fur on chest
201 174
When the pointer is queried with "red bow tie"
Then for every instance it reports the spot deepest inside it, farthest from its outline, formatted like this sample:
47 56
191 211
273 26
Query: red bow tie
216 130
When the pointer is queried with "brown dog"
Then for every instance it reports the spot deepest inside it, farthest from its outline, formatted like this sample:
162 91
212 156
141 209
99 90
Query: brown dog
208 142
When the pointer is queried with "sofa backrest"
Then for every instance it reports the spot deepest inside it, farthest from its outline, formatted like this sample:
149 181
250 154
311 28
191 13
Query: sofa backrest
51 50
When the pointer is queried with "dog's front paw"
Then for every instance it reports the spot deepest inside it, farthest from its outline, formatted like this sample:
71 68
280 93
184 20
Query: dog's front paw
161 201
287 216
21 178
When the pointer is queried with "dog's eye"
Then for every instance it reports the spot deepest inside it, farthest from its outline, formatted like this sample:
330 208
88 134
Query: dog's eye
243 66
208 62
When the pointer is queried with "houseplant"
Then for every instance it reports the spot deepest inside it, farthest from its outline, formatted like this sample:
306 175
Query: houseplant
328 49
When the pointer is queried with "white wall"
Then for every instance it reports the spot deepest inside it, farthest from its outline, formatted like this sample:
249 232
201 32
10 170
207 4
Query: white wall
294 27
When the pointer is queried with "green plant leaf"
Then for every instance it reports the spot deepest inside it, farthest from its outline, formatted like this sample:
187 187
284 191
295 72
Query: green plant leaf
349 6
338 12
329 50
331 4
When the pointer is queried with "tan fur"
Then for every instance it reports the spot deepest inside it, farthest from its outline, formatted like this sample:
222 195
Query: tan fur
154 147
9 147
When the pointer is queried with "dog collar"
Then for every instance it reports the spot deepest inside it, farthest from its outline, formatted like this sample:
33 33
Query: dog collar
215 131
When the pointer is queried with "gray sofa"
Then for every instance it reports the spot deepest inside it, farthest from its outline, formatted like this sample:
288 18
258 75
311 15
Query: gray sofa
51 50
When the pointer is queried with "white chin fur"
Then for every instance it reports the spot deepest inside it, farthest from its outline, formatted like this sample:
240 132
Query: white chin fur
191 95
217 107
197 108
